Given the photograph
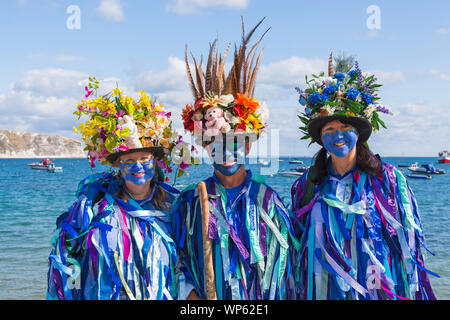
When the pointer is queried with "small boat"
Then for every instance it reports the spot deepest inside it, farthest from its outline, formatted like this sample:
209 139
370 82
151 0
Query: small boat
52 169
263 162
426 169
444 156
413 165
290 173
301 169
296 161
43 164
419 176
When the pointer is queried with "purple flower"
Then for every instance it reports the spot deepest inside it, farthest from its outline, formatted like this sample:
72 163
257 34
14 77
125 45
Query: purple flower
383 110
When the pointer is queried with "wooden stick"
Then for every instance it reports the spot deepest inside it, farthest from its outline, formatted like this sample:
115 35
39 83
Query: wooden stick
210 279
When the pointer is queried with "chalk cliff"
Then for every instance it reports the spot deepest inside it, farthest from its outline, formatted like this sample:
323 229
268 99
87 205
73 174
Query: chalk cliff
22 144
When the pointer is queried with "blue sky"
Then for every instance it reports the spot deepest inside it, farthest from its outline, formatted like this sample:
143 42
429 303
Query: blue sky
140 45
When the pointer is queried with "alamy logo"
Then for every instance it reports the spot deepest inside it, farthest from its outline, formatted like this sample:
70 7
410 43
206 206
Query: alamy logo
73 22
373 21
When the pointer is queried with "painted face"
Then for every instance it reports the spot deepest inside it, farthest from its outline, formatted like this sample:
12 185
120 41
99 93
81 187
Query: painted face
138 171
340 142
227 157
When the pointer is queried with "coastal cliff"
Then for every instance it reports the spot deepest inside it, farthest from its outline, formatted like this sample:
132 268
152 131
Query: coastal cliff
22 144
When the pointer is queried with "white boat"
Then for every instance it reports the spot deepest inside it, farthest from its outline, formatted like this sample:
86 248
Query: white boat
444 157
296 161
263 162
43 164
413 165
290 173
426 169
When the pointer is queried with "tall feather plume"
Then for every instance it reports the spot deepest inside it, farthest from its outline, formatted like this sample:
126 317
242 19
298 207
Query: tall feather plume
221 74
330 65
189 74
243 74
199 78
208 73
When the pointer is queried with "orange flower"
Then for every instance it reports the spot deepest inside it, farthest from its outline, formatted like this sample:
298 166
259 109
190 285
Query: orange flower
186 114
250 103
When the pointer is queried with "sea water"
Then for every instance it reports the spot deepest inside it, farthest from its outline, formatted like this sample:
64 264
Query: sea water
31 200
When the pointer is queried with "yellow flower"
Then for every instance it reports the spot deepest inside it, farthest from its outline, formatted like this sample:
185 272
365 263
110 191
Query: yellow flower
116 92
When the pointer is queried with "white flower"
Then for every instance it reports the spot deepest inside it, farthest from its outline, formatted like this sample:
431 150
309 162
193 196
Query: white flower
329 80
225 100
330 110
263 111
230 118
369 110
366 74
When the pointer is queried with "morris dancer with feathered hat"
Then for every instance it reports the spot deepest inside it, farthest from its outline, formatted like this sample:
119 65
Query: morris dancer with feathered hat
233 233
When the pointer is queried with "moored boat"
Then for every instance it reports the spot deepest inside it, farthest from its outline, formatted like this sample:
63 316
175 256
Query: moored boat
419 176
290 173
444 157
426 169
42 164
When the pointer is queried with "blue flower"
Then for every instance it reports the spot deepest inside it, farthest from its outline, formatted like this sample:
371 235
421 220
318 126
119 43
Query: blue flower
352 73
314 98
323 97
339 76
302 100
367 98
329 89
352 93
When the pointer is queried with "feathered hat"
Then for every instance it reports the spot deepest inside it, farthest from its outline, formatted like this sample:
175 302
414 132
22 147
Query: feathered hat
224 103
347 94
118 124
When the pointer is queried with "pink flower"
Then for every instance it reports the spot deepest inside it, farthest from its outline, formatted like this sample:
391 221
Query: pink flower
121 147
88 93
183 164
120 113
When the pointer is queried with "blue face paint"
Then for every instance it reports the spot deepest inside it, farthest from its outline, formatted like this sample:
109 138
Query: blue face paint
146 169
231 152
349 137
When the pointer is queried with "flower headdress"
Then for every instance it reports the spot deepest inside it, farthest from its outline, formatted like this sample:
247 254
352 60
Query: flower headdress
118 124
225 103
345 93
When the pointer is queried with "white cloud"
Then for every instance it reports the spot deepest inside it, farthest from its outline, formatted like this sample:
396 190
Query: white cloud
61 57
388 77
440 75
111 10
190 6
443 31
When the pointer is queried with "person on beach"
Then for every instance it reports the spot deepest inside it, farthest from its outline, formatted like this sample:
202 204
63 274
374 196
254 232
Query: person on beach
234 235
361 234
115 241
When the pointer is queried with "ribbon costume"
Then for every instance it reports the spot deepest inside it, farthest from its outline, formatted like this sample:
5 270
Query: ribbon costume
361 234
108 245
249 241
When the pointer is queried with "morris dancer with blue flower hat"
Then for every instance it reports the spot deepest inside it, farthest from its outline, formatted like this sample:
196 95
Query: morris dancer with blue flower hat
115 241
234 235
361 234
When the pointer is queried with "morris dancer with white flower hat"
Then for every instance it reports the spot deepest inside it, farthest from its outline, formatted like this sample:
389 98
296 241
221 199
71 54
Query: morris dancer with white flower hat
115 241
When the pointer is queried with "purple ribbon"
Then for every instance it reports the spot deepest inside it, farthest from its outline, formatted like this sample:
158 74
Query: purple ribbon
304 209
